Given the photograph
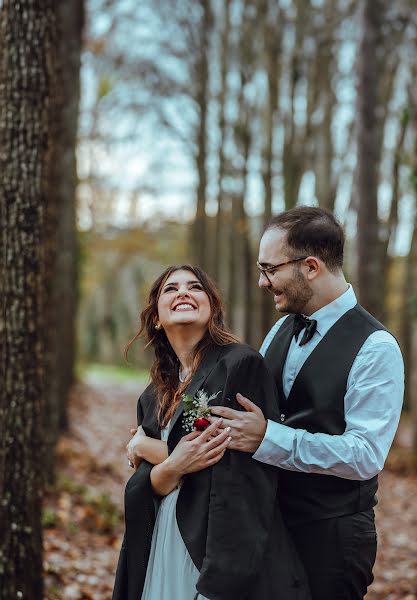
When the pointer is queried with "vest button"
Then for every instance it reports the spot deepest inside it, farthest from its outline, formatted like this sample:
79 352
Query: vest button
282 417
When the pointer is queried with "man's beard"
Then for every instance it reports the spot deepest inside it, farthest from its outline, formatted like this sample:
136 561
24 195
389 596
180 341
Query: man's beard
297 293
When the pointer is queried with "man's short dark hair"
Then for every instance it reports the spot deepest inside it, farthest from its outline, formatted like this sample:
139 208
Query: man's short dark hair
312 231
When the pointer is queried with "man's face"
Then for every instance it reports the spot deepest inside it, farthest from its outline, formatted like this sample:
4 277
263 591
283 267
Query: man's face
288 284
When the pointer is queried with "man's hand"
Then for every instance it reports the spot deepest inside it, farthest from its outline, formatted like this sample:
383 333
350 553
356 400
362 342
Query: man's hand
247 428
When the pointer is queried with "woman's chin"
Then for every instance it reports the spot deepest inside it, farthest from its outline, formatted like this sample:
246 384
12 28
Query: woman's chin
186 321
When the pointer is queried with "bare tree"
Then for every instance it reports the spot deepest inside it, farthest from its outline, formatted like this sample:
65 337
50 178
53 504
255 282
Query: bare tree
202 98
369 62
223 221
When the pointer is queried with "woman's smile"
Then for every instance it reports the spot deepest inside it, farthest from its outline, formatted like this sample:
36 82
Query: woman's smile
184 306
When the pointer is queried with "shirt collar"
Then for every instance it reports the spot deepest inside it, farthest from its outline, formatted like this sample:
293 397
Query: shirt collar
327 316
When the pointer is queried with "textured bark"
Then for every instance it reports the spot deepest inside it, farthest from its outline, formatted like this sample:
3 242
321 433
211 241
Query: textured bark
27 36
369 61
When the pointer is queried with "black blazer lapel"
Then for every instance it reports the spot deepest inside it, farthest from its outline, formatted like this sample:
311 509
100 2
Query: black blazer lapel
147 413
208 363
190 391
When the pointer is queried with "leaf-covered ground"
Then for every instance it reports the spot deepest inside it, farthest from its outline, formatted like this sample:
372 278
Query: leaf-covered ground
83 516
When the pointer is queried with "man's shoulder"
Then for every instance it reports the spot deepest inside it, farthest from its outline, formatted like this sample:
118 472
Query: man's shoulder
367 317
381 342
378 334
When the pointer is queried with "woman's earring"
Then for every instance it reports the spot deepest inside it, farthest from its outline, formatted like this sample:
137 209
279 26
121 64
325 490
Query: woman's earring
158 326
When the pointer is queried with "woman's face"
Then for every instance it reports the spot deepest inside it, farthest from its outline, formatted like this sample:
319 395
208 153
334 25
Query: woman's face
183 301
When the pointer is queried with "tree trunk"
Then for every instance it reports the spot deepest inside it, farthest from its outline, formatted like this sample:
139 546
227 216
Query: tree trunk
324 70
221 222
241 300
272 18
294 152
410 316
63 292
392 224
71 15
27 38
410 341
369 274
199 232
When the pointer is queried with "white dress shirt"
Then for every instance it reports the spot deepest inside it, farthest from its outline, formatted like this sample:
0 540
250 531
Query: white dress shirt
372 402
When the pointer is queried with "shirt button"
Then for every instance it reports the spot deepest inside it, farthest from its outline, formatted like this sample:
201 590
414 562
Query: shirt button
282 417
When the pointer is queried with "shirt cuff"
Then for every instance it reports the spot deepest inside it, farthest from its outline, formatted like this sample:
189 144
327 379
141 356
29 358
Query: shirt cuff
277 445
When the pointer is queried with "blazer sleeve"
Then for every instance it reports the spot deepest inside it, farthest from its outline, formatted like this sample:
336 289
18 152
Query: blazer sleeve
242 498
139 412
120 584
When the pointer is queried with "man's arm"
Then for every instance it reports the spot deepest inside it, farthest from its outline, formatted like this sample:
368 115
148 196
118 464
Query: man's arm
373 404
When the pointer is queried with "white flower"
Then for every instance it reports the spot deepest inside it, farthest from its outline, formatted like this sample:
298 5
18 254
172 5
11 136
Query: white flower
196 407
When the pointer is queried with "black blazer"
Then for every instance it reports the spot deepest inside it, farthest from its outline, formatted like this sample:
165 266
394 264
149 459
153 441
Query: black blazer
228 514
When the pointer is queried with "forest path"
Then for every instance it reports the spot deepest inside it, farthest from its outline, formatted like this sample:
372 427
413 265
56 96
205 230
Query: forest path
84 513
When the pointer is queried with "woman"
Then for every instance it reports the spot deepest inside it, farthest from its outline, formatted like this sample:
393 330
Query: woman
218 533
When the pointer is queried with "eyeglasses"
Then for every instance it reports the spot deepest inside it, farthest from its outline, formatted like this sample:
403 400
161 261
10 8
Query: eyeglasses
271 270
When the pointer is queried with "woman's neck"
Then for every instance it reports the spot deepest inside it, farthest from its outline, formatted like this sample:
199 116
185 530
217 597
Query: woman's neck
183 342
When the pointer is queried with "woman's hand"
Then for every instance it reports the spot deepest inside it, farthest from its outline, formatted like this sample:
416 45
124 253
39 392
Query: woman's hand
194 452
132 448
199 450
141 447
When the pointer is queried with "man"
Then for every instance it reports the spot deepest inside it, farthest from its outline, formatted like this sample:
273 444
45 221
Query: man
340 378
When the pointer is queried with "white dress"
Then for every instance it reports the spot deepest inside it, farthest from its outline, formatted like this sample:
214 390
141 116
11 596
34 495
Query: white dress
171 574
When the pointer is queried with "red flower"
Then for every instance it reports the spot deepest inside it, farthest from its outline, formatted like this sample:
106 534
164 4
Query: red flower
201 423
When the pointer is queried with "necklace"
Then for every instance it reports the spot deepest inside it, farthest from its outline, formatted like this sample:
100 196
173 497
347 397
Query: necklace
183 374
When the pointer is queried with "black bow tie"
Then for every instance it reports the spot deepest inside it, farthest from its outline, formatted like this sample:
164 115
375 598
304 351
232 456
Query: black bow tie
301 323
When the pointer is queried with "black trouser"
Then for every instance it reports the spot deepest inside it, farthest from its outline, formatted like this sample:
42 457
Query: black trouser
338 555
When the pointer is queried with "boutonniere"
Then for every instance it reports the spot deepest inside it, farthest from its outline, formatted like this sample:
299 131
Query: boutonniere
197 411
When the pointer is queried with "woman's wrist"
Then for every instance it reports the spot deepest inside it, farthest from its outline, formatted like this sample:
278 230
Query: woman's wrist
154 451
172 468
165 477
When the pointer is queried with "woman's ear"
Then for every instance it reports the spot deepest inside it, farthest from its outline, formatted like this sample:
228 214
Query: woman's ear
158 326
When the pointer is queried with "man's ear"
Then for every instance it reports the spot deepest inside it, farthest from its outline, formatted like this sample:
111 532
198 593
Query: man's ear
314 267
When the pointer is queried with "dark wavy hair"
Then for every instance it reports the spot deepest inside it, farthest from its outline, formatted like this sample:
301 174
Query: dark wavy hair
164 369
312 231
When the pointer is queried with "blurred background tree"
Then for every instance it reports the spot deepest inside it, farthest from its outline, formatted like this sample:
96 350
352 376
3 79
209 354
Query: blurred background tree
201 120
